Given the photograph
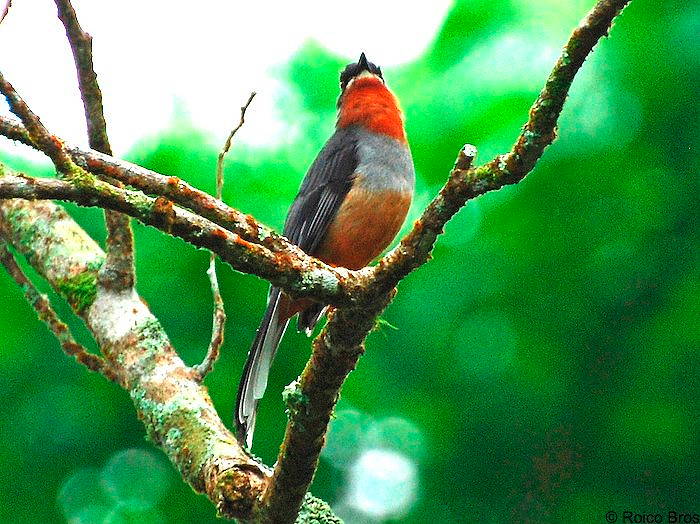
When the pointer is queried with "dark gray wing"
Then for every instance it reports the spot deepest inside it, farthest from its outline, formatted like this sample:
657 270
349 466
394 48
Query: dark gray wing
326 183
323 190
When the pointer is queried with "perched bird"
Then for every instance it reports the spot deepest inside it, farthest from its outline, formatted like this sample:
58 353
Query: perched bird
350 206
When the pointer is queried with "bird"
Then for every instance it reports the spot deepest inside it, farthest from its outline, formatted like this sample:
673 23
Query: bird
350 206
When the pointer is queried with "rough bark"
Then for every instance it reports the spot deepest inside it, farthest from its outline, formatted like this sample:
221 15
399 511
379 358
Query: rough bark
168 396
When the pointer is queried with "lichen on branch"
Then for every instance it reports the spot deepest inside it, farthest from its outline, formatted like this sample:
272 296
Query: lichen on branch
175 408
173 405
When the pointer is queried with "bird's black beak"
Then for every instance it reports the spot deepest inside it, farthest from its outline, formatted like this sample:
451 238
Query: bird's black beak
362 63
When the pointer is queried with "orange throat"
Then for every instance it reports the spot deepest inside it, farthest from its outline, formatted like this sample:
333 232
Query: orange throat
368 102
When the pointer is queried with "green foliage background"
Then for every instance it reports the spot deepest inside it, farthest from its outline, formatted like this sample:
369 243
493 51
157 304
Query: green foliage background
545 362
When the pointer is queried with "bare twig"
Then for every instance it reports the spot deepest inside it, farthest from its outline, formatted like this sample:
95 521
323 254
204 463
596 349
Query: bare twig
173 188
45 141
218 324
41 304
118 271
81 46
6 9
219 315
152 183
227 145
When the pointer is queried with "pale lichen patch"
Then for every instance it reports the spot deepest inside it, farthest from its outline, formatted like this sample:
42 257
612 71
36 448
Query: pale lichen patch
108 318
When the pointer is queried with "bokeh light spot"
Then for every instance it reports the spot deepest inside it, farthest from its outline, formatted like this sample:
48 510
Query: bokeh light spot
344 436
92 514
135 478
397 434
125 515
383 484
81 491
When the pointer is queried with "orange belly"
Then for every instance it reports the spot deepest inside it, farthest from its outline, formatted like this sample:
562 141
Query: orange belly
366 223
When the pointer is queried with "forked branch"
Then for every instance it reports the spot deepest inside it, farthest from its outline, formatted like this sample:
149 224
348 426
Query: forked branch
358 296
337 348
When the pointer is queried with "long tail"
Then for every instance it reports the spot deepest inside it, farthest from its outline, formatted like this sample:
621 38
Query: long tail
257 367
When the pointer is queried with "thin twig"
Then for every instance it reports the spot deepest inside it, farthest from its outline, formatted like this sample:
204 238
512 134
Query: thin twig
227 146
50 145
218 324
152 183
219 315
118 270
42 306
6 10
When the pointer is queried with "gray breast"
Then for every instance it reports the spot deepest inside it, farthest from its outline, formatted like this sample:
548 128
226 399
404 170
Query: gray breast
384 162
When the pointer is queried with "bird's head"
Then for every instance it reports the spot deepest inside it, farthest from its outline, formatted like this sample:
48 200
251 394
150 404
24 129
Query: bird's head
367 102
360 69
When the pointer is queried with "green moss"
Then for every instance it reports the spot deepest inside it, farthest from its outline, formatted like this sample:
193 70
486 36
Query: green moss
152 335
95 264
79 290
81 178
173 435
381 323
264 232
531 137
316 511
565 59
294 398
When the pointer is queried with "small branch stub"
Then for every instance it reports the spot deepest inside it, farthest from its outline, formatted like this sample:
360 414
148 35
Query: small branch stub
466 157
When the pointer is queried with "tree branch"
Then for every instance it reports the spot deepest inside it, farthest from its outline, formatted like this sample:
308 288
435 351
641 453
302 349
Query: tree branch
360 296
297 273
81 46
118 271
339 346
175 408
47 315
45 142
152 183
310 402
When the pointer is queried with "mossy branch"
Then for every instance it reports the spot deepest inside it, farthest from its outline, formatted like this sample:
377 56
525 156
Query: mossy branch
290 268
359 296
175 408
